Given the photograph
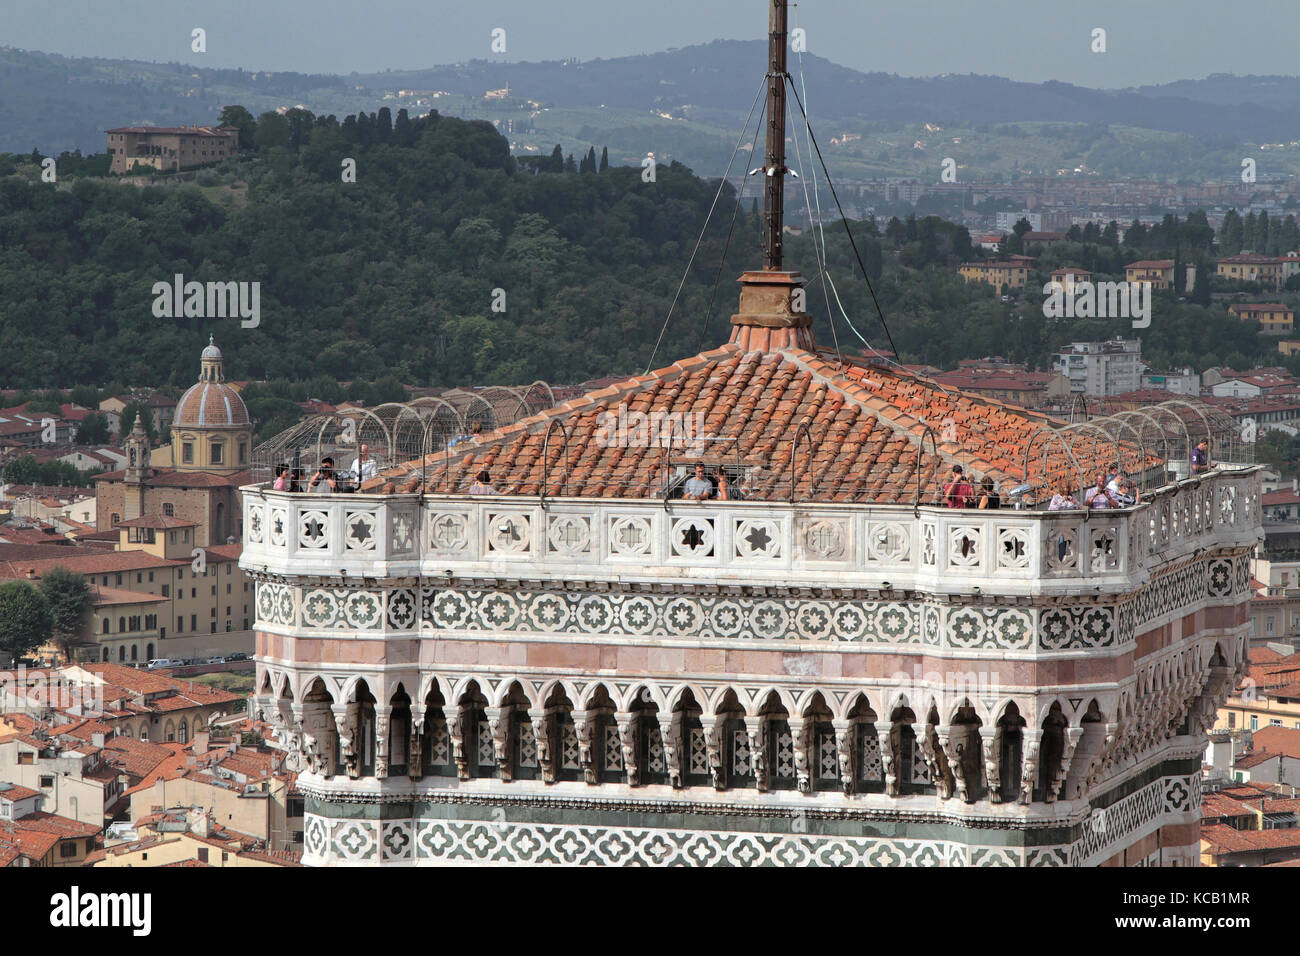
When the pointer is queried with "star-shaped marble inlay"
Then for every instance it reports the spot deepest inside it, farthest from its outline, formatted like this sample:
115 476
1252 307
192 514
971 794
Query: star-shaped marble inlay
693 537
758 539
313 529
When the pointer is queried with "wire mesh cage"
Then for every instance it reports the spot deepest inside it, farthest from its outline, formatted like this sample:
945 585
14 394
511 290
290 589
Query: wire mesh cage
413 433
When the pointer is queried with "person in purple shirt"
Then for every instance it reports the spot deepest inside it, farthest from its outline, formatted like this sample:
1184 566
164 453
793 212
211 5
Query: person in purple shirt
1201 457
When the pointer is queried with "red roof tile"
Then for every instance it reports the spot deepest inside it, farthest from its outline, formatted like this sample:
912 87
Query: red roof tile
866 425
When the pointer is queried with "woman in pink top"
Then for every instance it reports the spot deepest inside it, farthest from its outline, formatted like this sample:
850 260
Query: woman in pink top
281 478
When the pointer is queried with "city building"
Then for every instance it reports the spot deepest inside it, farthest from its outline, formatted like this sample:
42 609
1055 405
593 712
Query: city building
1044 239
1006 221
211 440
188 836
1101 368
169 148
244 789
159 595
1007 383
1009 273
1269 271
1158 272
1068 277
1180 381
1274 318
1269 697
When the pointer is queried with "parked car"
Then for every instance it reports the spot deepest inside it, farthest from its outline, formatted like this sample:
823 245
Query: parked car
158 662
241 656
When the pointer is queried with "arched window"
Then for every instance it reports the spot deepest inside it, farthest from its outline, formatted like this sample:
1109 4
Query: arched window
121 653
1051 753
437 758
135 652
121 625
399 733
183 731
106 625
106 654
148 652
1010 742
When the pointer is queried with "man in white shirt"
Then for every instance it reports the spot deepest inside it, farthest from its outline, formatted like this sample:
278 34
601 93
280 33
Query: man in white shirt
363 466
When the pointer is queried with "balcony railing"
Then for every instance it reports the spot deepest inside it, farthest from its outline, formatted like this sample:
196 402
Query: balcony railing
816 544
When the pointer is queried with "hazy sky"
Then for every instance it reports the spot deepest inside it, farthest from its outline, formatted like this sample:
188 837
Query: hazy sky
1148 41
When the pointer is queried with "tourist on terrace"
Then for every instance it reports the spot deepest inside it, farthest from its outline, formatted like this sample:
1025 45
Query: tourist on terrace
988 495
1128 491
281 478
720 477
1100 496
1201 457
1063 500
958 493
324 476
482 485
1114 476
363 466
698 488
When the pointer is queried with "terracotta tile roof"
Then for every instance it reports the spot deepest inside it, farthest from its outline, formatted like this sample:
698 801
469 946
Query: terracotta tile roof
865 428
16 793
157 521
171 478
138 757
1224 839
1284 740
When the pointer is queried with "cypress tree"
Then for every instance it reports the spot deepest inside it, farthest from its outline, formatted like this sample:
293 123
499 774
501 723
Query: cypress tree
604 158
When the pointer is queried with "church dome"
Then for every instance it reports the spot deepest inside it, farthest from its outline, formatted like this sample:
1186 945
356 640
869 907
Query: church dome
211 403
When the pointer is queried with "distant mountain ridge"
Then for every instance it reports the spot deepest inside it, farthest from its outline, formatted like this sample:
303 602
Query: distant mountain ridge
54 103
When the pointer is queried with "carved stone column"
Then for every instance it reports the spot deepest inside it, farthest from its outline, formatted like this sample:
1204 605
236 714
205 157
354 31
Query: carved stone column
953 748
934 761
582 729
629 733
1072 737
456 734
415 743
1029 764
383 713
345 716
672 738
888 766
1101 759
499 723
298 755
716 747
992 761
755 730
799 728
844 750
542 735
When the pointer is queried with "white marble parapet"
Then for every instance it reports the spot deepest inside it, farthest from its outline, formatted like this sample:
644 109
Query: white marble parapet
759 543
